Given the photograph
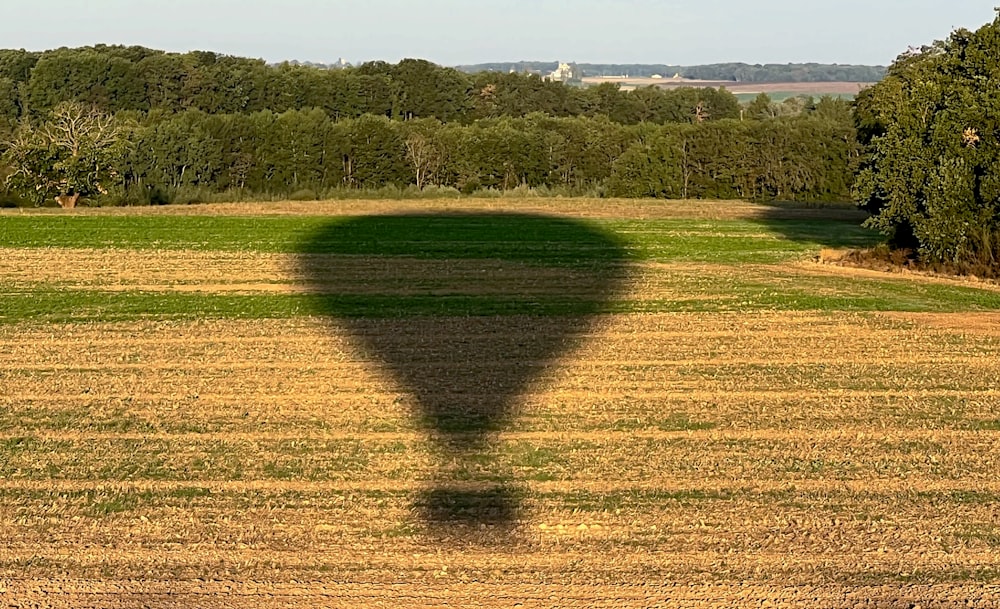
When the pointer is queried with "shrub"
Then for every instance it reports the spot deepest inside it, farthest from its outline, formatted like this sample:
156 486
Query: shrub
305 194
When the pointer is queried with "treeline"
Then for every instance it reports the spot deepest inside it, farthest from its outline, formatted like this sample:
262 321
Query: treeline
137 79
736 72
131 125
305 154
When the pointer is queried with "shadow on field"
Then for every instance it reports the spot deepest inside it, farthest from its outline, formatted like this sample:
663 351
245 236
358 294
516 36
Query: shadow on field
466 310
833 227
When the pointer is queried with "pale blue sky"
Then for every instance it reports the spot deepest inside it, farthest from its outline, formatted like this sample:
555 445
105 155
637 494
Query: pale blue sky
453 32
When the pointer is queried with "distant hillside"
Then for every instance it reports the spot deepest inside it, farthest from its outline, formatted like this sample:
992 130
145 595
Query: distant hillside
735 72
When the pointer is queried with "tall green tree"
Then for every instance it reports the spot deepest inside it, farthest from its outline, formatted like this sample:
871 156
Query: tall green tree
78 152
88 76
651 167
372 152
425 151
931 174
17 64
10 101
425 90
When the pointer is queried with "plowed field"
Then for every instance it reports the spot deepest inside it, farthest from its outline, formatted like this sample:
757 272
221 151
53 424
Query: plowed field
730 430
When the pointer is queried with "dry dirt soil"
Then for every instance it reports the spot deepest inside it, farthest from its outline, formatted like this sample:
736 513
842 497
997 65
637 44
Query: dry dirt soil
762 459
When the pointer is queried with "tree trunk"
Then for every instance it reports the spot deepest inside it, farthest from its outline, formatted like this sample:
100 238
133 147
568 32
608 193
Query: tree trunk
68 201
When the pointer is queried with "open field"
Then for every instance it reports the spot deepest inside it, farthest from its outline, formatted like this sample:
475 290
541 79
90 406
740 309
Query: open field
675 406
740 89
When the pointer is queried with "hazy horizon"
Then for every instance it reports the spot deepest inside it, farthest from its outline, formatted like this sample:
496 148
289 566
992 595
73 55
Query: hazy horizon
452 32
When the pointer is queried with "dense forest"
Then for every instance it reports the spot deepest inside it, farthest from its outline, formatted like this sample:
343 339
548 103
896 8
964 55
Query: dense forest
140 80
131 125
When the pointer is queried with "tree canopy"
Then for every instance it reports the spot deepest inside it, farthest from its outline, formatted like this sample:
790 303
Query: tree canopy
192 155
931 173
118 78
77 152
159 127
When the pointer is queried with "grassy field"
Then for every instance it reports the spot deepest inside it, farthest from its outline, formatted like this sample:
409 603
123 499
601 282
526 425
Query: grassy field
745 91
780 96
556 403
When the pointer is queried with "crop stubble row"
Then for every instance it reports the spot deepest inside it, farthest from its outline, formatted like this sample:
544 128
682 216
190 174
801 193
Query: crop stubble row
731 477
720 459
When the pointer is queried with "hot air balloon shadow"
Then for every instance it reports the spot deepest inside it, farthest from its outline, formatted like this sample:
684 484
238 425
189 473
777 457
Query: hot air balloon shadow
465 310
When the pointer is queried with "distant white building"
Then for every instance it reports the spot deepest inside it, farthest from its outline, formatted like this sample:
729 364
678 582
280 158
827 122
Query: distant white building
563 73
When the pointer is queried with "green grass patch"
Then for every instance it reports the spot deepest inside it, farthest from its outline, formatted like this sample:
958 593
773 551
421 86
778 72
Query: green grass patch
181 460
677 421
189 492
726 294
529 456
987 535
77 306
960 497
983 425
515 238
207 233
114 503
586 501
778 97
